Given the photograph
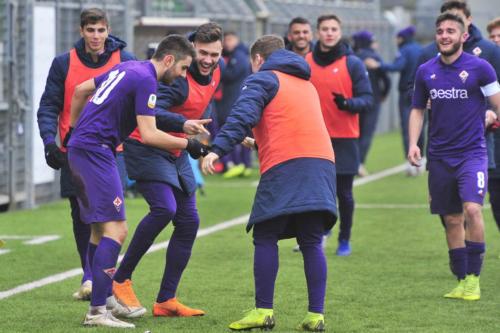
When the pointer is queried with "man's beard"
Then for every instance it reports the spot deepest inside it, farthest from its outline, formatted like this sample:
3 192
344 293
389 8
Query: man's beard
454 49
168 77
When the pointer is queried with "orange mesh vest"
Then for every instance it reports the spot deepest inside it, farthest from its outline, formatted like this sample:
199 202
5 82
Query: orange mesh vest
334 78
78 73
196 103
292 125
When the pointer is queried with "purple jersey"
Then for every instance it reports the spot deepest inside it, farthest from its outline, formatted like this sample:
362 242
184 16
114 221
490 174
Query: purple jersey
126 91
458 104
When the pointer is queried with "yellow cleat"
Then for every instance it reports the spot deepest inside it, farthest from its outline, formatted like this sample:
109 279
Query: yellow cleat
313 322
472 291
235 171
256 318
457 292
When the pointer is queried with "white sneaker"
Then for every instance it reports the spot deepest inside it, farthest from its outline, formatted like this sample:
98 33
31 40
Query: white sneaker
105 319
120 310
84 292
296 248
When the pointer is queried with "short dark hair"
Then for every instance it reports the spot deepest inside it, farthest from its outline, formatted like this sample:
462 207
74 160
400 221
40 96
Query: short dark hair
450 17
266 45
175 45
326 18
93 16
230 33
298 20
495 23
208 33
456 4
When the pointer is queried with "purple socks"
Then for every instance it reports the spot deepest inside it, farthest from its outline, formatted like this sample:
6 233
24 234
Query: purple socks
103 269
475 255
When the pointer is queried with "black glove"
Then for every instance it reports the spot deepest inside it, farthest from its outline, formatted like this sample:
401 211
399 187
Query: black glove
196 149
341 101
54 156
67 137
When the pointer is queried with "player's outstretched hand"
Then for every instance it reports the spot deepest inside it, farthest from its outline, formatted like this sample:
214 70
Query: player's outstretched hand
414 156
196 126
54 156
196 149
207 166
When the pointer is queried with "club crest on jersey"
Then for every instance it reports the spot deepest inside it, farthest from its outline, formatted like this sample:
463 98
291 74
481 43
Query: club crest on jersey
477 51
463 76
118 203
152 101
110 272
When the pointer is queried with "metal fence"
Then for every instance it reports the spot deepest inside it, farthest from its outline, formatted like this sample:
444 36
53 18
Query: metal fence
18 104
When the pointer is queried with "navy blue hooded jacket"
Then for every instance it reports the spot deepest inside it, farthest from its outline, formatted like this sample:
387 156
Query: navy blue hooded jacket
52 101
294 186
236 71
380 81
405 63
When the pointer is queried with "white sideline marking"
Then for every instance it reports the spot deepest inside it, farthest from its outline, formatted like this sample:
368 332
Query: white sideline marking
155 247
77 271
4 251
31 240
391 206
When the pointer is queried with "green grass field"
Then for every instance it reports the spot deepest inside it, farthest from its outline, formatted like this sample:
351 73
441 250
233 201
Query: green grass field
393 282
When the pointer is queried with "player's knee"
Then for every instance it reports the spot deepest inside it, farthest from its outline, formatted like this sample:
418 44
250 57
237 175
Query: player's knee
473 212
166 212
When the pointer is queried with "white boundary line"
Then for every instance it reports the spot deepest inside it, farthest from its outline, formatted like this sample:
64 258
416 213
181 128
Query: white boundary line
156 247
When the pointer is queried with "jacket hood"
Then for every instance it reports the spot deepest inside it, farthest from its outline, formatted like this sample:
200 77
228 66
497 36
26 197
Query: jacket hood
474 35
287 62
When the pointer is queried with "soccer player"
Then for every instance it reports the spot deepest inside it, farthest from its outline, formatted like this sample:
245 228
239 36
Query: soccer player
166 179
456 84
125 99
344 91
494 31
300 36
93 54
296 192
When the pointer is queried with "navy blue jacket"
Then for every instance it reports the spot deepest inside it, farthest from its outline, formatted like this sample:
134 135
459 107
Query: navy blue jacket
485 49
405 63
52 101
236 70
380 81
148 163
294 186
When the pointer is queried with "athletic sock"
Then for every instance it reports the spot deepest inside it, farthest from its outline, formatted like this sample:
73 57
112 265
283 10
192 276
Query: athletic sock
475 255
103 269
458 262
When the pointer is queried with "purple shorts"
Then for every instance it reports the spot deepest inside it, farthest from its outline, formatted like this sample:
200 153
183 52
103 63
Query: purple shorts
452 184
98 187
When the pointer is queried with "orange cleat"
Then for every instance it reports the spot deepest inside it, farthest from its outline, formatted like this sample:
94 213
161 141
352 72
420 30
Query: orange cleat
125 296
173 308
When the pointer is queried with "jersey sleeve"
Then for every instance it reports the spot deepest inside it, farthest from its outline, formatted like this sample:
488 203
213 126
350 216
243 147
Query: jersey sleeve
145 97
100 78
488 80
420 94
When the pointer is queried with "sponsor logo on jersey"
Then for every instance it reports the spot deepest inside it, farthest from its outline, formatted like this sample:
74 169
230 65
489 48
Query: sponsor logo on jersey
110 272
118 203
452 93
477 51
433 76
463 76
335 70
152 101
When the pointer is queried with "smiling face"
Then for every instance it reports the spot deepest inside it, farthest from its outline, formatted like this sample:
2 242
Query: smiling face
300 35
495 35
450 37
207 56
94 36
329 33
